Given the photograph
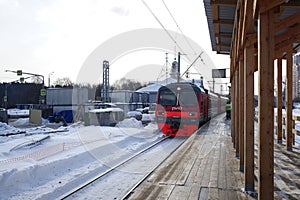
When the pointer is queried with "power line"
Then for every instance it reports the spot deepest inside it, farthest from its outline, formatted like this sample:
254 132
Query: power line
160 23
192 63
189 44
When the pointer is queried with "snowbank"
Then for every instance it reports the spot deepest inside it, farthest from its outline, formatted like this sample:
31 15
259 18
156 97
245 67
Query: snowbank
148 117
133 114
33 171
130 123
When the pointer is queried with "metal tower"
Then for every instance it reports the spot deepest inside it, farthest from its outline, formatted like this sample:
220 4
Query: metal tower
105 92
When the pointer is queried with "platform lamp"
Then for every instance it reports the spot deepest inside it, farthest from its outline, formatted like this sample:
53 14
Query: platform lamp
49 78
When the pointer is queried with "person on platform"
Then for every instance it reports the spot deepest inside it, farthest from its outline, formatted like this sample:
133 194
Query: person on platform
228 110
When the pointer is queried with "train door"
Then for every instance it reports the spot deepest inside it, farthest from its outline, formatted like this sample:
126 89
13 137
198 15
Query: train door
206 106
201 108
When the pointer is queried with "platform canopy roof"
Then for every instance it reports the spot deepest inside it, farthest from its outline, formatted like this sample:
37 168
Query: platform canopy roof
222 21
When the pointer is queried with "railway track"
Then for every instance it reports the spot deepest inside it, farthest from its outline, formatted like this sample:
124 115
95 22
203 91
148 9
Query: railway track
77 190
131 190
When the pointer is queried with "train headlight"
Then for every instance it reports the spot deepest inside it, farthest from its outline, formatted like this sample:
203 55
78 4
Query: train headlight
192 114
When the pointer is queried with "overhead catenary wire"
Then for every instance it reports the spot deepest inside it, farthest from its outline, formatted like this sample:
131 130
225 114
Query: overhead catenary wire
168 33
199 56
172 16
174 40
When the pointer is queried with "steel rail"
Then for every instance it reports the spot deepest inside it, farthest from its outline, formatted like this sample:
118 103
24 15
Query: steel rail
73 191
131 191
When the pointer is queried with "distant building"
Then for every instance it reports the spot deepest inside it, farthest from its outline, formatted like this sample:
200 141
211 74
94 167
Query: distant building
296 76
12 94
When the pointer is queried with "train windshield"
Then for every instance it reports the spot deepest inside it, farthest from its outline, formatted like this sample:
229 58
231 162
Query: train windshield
187 98
167 98
181 98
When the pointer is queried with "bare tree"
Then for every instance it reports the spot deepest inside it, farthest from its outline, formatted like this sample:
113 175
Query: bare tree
63 82
127 84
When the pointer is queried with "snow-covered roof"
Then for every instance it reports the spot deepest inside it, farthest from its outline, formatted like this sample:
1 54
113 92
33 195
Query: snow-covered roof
154 86
167 81
150 88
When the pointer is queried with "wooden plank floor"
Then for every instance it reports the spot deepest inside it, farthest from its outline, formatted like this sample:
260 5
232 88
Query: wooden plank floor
204 167
286 173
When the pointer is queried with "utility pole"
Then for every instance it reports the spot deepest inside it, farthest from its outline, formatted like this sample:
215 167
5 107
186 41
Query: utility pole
178 68
49 78
167 68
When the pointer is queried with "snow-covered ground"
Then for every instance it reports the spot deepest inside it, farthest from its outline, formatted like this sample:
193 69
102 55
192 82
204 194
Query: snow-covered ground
37 160
296 112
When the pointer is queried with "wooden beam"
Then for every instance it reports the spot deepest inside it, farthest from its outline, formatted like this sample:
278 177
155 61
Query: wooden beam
232 92
224 44
215 15
234 50
266 105
279 101
237 111
287 22
291 4
239 34
251 38
241 112
249 61
266 5
289 100
288 34
233 116
243 25
223 35
248 21
286 46
224 2
255 8
226 22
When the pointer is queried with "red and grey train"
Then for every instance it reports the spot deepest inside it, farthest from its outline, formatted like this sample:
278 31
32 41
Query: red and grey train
181 108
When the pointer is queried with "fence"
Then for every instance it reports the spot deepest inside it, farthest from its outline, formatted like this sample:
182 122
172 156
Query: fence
294 130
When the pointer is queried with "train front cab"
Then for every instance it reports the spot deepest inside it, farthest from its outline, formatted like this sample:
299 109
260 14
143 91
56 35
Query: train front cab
184 118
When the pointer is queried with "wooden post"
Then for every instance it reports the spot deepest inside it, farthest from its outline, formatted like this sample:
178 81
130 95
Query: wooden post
249 115
279 101
266 105
237 120
289 91
241 113
233 111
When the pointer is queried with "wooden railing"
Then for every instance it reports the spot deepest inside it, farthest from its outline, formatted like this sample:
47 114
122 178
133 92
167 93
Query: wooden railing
294 118
294 131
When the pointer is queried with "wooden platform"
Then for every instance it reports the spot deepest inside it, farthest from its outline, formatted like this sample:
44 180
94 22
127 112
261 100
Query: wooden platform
286 172
205 167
